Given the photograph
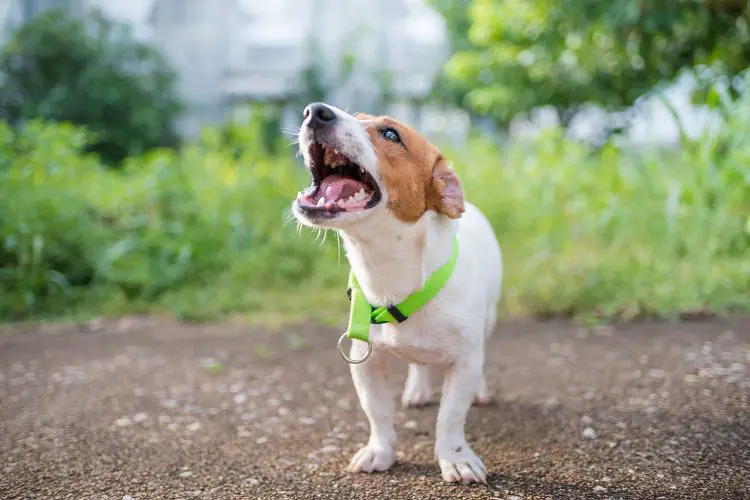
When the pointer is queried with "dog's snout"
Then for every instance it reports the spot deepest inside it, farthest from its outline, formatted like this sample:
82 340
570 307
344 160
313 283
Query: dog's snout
319 115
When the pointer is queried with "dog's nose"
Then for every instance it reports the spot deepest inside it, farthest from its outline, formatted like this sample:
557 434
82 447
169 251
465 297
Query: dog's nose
319 115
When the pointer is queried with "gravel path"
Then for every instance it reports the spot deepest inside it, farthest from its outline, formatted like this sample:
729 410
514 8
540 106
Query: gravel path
140 409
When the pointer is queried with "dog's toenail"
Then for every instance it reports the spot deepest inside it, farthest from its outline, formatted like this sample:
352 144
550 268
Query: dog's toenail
459 449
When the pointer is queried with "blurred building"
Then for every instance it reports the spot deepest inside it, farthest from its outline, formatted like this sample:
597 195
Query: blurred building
367 54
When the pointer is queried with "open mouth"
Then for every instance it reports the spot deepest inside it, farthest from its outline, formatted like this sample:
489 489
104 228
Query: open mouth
339 184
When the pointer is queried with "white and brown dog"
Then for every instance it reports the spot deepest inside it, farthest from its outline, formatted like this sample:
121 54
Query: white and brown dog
398 206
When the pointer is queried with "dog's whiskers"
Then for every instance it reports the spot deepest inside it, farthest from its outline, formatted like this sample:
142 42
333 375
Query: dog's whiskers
289 218
320 236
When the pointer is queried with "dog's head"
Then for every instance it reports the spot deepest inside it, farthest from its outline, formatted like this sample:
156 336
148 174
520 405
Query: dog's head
363 166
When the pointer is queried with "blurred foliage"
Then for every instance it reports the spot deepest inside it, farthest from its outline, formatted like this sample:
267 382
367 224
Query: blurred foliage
261 130
90 71
207 222
447 89
203 231
515 56
620 232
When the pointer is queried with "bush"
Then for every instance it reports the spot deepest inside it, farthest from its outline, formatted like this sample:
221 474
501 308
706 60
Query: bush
513 58
196 220
50 233
201 232
619 233
90 72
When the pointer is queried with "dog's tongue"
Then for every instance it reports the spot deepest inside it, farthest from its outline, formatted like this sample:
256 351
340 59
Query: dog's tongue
338 187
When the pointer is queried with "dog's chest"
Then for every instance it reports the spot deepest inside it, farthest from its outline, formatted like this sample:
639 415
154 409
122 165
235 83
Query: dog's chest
418 342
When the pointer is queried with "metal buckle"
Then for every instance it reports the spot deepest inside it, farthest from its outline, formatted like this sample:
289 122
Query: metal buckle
347 358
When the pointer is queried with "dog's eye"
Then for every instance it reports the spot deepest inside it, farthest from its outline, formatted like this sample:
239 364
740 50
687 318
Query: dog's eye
391 134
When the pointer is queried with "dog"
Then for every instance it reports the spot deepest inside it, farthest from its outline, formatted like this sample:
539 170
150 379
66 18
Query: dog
398 206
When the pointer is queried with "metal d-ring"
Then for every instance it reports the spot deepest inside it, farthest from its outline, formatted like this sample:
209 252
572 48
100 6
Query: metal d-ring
347 358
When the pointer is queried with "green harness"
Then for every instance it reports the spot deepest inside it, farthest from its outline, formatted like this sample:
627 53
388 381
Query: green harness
362 314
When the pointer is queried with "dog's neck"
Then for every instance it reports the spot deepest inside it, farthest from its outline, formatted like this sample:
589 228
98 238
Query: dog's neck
394 259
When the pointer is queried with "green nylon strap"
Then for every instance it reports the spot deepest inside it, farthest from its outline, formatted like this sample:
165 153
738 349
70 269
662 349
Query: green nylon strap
362 314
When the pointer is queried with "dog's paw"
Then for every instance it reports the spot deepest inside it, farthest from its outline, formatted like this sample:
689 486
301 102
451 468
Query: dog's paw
462 465
371 459
482 400
483 396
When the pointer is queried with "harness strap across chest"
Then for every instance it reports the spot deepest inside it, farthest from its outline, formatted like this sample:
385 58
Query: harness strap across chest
362 314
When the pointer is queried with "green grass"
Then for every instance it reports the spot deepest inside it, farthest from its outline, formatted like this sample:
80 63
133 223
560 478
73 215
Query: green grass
203 233
617 233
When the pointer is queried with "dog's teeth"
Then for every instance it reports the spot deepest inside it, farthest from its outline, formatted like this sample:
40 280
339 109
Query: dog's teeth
360 195
321 202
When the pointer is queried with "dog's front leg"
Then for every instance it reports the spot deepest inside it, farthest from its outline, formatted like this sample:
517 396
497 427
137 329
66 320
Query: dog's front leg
457 460
376 397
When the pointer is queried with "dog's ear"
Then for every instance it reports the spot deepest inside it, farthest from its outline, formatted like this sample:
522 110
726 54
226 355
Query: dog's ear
446 194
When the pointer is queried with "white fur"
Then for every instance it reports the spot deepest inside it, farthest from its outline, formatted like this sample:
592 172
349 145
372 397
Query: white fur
391 259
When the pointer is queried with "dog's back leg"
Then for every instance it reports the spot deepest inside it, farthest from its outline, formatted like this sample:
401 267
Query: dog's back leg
420 386
483 396
491 321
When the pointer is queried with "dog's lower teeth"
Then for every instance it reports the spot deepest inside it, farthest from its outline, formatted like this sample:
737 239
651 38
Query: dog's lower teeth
321 202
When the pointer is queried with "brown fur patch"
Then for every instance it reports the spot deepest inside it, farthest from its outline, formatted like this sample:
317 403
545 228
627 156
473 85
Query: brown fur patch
415 174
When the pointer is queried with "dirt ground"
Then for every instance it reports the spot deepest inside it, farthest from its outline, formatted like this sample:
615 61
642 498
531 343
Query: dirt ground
141 409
